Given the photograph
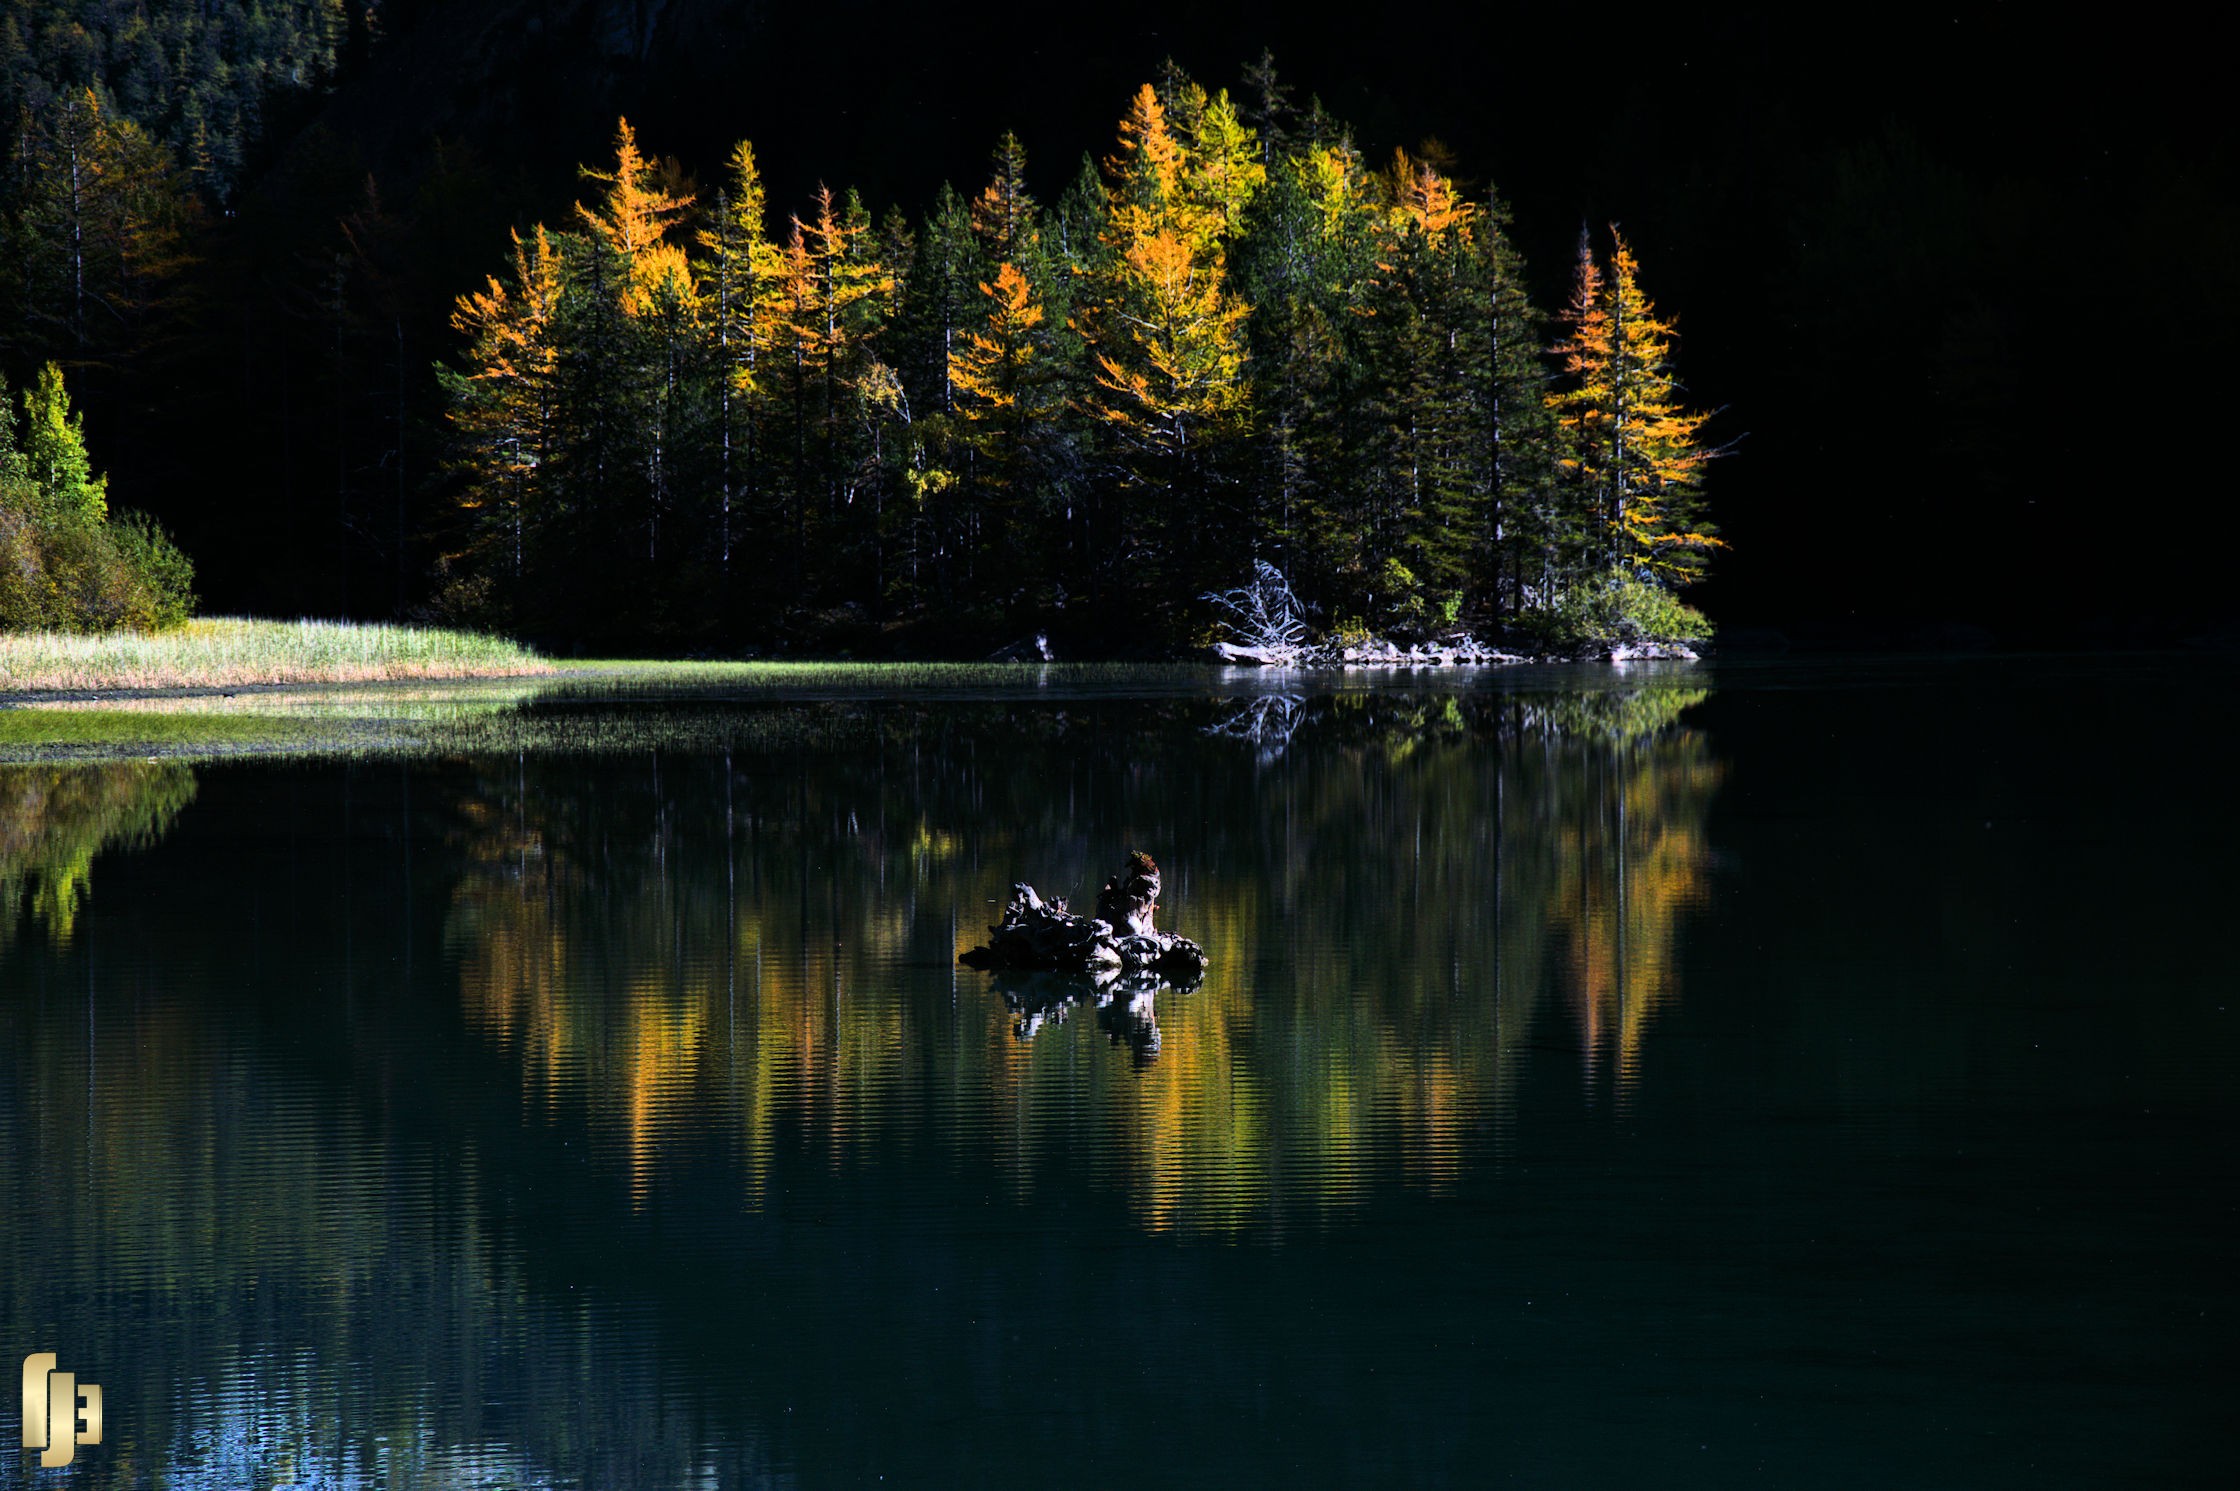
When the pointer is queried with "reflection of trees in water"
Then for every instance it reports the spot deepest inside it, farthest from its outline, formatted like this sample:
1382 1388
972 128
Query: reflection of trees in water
295 1208
55 819
761 946
282 1286
1611 716
1630 860
622 934
251 1194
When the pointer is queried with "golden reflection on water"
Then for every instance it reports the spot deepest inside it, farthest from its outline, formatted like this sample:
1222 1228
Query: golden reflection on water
1632 863
1400 911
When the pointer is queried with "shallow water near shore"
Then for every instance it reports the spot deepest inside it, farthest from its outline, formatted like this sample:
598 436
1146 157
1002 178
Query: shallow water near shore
1800 1074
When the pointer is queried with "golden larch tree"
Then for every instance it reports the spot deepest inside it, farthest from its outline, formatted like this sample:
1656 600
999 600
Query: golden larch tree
1004 383
1630 445
634 217
506 403
742 284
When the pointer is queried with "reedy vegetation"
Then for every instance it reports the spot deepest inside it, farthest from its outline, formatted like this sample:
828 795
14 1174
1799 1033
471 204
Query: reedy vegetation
228 651
1233 342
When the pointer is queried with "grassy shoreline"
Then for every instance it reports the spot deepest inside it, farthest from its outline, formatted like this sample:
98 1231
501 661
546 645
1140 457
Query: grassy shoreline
234 652
229 689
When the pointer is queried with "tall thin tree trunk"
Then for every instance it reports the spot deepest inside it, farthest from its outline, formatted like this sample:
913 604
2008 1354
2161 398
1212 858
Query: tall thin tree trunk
723 360
399 324
77 249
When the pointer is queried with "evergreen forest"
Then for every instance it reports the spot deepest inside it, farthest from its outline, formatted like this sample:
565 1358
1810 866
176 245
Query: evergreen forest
371 308
1073 400
1081 407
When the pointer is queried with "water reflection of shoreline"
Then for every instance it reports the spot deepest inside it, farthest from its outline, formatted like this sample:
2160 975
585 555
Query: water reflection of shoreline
346 1201
54 819
1398 906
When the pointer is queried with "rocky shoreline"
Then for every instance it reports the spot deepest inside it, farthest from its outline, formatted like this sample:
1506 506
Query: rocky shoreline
1452 652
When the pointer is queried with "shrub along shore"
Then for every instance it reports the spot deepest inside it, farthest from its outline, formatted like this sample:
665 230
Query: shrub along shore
227 652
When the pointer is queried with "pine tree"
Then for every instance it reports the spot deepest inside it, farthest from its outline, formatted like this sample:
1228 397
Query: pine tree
98 232
1658 502
1270 113
1222 169
1520 529
1077 222
1003 215
1303 256
802 350
852 291
739 284
1425 346
933 525
634 216
950 263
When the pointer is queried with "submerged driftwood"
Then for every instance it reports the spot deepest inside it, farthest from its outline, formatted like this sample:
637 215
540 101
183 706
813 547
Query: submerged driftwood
1121 937
1447 652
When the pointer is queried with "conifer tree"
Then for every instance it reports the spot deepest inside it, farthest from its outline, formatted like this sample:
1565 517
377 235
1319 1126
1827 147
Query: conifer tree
1077 222
1222 170
97 235
1003 215
630 223
1520 528
852 293
1583 405
1659 476
1167 348
1431 355
1006 395
1306 251
1269 110
505 406
942 306
1634 449
634 216
740 287
950 264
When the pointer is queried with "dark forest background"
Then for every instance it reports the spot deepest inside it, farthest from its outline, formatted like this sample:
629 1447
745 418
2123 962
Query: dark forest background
1962 282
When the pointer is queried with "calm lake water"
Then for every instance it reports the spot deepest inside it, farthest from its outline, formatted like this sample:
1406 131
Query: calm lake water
1752 1074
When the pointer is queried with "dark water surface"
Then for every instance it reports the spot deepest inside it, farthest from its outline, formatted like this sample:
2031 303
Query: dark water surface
1757 1074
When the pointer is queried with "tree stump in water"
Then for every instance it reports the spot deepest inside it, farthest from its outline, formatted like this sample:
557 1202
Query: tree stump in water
1130 899
1121 937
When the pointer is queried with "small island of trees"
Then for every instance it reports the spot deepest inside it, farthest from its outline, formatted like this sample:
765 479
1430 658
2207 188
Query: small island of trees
1088 405
1232 343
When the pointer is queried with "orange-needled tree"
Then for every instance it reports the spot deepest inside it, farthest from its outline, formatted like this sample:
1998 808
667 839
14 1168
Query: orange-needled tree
1631 448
